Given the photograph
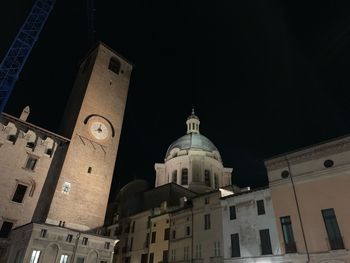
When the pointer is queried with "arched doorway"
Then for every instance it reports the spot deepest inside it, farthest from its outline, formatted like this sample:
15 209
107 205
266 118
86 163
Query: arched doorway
92 257
50 254
19 256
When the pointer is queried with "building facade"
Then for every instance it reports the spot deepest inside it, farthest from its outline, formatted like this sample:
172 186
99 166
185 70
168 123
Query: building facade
54 190
309 189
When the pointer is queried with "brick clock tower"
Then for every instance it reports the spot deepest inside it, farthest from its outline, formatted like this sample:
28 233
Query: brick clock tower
93 120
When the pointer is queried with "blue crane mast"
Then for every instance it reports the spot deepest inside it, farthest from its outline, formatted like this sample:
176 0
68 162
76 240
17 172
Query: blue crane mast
18 53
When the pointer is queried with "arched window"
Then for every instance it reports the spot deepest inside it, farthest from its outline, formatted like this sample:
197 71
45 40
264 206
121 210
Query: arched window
216 181
207 178
184 176
114 65
174 177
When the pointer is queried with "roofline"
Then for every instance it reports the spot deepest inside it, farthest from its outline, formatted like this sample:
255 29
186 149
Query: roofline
34 127
98 43
309 147
246 192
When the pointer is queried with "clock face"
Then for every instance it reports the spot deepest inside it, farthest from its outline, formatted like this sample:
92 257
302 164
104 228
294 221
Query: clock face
99 130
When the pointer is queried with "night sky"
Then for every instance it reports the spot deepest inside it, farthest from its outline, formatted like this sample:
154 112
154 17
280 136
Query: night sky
266 77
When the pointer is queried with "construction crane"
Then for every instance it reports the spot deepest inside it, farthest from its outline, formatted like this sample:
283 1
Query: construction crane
19 51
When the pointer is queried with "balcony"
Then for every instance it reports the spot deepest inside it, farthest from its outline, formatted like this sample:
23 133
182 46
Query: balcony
336 243
290 247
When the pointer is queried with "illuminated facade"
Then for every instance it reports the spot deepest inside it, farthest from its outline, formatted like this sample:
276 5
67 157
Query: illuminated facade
54 190
309 190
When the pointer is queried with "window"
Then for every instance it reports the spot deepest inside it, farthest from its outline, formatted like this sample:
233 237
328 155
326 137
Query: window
217 248
31 163
153 238
216 181
184 176
173 234
174 177
207 178
265 242
64 259
89 170
19 194
147 240
114 65
107 245
133 227
43 233
84 241
261 207
198 251
69 238
131 243
334 236
206 200
80 260
144 258
236 251
165 256
173 255
186 253
5 229
233 212
35 256
288 236
188 232
166 233
207 221
151 257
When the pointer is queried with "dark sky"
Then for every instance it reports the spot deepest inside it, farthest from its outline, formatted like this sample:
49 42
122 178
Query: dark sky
266 77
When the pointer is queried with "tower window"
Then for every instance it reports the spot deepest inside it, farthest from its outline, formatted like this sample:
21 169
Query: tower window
184 176
207 178
114 65
89 170
19 194
31 163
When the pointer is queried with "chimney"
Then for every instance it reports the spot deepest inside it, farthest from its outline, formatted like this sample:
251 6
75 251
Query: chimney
25 114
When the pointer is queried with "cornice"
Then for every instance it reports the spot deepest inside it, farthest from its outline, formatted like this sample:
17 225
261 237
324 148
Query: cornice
308 154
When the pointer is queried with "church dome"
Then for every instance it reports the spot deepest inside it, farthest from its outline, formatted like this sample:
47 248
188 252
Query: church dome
192 140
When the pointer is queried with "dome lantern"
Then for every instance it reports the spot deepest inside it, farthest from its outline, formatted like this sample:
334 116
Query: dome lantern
193 123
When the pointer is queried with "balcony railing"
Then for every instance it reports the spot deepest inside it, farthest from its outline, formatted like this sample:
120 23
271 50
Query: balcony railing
290 247
336 243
